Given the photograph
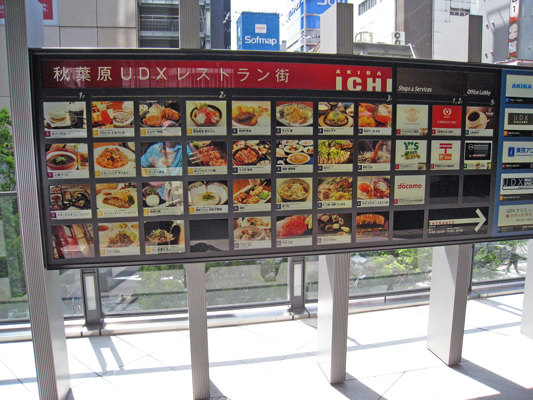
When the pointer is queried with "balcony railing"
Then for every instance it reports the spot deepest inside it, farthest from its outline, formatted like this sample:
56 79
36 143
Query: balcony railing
159 24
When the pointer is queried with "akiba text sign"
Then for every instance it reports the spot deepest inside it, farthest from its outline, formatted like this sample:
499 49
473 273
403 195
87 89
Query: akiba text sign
157 157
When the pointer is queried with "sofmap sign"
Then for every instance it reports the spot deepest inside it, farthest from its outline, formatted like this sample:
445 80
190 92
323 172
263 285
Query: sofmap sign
258 31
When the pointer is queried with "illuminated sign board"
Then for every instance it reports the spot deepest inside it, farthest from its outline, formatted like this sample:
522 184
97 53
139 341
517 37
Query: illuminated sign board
157 157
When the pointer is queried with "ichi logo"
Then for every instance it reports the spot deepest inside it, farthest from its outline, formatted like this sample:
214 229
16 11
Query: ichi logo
511 151
362 81
444 155
447 112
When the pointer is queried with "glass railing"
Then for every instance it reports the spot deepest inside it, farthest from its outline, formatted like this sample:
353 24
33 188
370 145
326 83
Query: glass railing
163 288
13 301
247 282
143 289
236 284
496 261
375 273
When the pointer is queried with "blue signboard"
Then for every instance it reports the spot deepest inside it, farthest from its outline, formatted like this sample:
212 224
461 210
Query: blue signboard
513 208
319 6
258 31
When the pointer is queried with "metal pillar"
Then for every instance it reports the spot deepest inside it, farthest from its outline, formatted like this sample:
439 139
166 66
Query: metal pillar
195 273
333 284
197 306
447 301
92 301
527 310
297 284
336 36
44 299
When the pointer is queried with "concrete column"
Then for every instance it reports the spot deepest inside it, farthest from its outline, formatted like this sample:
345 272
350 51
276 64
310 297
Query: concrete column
44 299
333 285
527 310
447 301
189 24
197 306
336 29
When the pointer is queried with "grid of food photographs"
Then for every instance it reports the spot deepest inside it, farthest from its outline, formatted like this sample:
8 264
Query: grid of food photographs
176 177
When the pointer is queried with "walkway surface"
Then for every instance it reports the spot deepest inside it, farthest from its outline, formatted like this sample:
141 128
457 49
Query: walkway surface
387 359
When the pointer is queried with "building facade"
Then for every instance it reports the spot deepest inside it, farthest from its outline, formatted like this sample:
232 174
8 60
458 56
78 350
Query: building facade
121 23
301 23
437 29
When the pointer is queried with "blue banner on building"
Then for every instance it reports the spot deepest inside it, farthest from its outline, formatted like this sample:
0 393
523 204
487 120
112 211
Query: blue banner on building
258 31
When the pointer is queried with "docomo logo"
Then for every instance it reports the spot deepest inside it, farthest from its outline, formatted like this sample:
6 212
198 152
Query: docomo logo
260 40
410 186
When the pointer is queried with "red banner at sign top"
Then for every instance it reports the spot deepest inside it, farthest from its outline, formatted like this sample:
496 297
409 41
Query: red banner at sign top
81 74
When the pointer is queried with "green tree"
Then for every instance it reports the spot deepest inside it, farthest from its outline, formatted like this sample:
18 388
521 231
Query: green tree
9 211
490 257
7 159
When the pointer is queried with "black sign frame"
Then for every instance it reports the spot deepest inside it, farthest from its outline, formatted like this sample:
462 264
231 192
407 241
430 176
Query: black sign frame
420 239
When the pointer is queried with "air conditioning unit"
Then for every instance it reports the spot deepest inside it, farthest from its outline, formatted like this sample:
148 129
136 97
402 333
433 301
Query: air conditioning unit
398 37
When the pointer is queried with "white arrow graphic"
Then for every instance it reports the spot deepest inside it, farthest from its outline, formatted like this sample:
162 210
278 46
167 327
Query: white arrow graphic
480 221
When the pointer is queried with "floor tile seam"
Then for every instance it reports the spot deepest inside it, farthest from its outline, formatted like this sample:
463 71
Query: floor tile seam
89 380
471 327
99 373
177 368
245 328
123 371
382 396
129 344
15 376
124 339
403 371
306 344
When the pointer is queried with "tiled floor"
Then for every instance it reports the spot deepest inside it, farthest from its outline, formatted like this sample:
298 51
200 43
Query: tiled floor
387 359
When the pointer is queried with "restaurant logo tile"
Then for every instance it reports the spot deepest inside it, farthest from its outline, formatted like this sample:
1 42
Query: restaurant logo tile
447 120
445 151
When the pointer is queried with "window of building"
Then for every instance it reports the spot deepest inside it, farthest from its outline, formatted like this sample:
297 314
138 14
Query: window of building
366 5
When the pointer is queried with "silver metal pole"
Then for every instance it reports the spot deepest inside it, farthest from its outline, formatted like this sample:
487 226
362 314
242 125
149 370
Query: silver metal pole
297 284
447 301
333 288
336 32
197 306
195 273
527 310
42 286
